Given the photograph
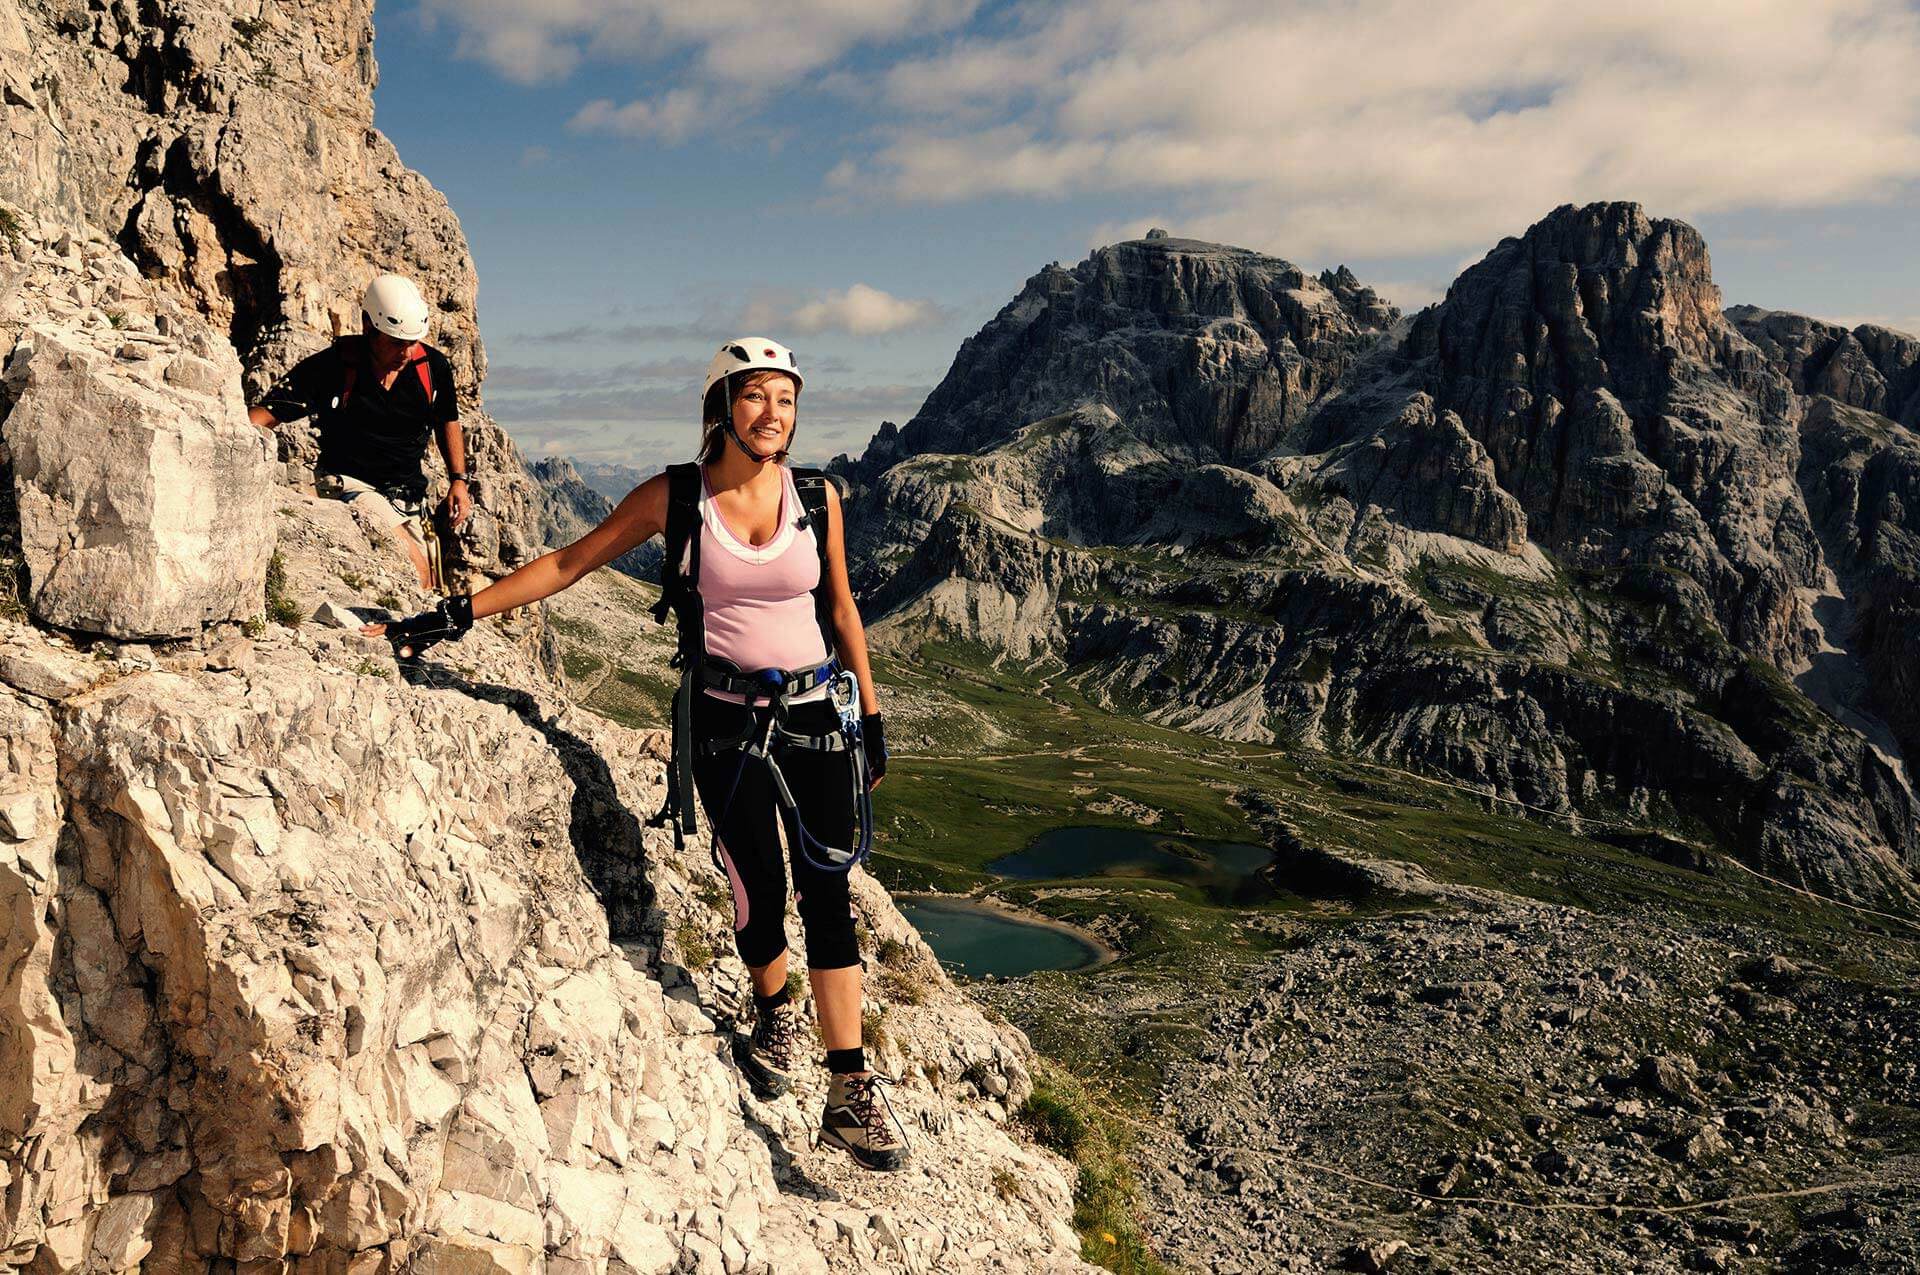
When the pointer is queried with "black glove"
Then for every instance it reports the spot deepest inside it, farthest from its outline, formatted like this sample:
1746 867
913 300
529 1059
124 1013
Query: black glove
413 635
873 739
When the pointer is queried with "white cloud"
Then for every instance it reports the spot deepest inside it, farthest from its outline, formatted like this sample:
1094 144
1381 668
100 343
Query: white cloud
864 311
670 117
859 311
1403 127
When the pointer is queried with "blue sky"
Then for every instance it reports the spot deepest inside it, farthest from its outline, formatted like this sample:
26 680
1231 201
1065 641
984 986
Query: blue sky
870 180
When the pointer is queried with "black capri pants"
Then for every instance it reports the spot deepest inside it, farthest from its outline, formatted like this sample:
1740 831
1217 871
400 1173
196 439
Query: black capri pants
747 837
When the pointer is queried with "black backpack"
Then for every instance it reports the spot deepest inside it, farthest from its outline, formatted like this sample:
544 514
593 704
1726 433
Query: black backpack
680 594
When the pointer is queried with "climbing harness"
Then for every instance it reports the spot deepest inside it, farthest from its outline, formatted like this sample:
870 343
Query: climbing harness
766 734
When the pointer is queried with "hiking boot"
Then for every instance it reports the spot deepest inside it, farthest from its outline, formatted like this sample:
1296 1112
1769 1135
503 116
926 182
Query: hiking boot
766 1056
859 1120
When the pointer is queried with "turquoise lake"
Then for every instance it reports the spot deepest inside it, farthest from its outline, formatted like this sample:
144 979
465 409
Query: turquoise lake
977 939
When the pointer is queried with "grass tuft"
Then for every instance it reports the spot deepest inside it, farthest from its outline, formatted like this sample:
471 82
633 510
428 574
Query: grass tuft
1066 1117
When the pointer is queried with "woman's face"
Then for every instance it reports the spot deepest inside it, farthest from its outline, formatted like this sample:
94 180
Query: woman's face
763 413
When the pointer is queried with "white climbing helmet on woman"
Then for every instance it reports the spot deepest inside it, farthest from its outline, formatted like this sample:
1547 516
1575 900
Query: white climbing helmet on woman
750 354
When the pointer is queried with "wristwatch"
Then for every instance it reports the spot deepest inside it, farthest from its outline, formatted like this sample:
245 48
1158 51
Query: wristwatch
456 478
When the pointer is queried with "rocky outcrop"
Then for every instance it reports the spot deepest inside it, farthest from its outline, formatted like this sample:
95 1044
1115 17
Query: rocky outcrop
306 965
569 509
1427 472
1628 417
115 431
980 576
1872 368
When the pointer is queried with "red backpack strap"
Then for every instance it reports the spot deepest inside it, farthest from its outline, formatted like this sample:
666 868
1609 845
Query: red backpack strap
418 353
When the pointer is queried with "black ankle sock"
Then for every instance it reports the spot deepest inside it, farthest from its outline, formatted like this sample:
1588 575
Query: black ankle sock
766 1004
842 1061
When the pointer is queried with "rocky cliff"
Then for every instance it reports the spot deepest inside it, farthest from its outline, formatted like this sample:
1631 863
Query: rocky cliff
1572 505
310 962
229 151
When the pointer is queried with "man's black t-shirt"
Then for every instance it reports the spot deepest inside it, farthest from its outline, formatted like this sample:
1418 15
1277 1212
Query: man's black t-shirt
379 436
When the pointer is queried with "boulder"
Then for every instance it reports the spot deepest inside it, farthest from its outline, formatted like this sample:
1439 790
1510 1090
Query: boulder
144 501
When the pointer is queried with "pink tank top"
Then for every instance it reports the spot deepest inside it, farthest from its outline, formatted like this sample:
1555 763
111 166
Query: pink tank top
758 602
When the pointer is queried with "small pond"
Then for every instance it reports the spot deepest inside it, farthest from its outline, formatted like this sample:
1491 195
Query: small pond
1227 871
977 939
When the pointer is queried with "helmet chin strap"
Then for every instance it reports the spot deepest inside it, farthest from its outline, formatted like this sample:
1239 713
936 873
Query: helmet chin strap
752 455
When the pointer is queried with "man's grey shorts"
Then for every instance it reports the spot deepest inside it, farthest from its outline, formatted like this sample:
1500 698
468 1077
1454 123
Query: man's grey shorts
377 513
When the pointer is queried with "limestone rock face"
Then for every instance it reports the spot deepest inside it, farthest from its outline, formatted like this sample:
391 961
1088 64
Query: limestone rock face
1428 472
309 964
569 509
143 500
1573 503
1871 367
1627 415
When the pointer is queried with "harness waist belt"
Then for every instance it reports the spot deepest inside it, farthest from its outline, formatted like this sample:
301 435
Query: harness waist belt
767 683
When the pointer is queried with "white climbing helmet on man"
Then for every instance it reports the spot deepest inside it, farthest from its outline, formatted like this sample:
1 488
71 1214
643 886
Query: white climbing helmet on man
394 306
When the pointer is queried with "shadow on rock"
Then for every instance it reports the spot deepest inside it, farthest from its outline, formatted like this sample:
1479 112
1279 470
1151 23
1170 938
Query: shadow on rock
606 835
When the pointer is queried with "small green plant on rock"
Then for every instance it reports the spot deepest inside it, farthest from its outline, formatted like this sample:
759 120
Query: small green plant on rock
695 952
11 228
13 589
873 1028
711 892
281 608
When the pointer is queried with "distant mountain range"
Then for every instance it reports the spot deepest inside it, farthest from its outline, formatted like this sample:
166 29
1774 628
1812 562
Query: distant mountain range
1573 535
574 499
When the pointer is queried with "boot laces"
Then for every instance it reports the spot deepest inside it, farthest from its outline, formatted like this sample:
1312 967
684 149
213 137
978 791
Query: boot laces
775 1032
862 1092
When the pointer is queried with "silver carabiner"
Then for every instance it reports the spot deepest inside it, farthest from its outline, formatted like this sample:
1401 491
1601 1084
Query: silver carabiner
844 691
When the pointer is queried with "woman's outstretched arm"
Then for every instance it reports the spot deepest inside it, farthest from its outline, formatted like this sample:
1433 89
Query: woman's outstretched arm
637 519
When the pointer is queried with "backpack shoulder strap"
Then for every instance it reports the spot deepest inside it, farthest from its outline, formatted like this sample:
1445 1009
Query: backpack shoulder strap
811 485
423 368
680 569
